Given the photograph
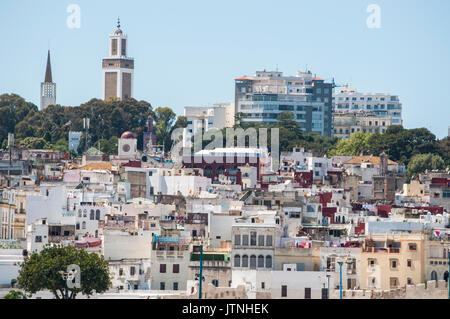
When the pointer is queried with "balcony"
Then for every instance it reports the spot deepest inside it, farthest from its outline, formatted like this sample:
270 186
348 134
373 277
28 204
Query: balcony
391 250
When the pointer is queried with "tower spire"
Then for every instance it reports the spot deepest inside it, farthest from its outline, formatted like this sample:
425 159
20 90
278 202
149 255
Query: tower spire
48 71
118 22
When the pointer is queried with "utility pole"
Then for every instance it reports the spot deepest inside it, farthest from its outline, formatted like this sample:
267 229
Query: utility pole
340 279
201 273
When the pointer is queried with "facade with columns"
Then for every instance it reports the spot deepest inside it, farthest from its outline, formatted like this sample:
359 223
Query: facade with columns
118 68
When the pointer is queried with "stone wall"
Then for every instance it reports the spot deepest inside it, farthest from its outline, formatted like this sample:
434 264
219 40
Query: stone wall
212 292
432 290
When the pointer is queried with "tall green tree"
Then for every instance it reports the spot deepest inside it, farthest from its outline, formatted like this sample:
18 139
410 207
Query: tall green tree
357 144
422 162
41 271
165 119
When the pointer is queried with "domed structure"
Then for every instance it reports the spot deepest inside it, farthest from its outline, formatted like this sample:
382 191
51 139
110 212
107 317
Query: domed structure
127 135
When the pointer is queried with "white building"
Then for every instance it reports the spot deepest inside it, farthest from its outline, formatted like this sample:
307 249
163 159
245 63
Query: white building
10 260
381 104
205 118
280 284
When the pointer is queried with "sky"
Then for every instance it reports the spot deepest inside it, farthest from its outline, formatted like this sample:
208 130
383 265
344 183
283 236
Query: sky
188 53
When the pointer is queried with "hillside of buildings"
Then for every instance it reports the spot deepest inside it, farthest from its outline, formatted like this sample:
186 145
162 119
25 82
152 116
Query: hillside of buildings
48 129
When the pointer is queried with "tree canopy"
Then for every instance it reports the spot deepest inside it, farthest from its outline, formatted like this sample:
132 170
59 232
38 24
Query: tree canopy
41 271
108 120
49 128
422 162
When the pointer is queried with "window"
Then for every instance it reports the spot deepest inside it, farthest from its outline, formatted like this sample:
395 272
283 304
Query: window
372 262
409 263
237 240
215 283
394 282
162 286
91 215
412 247
433 275
83 225
260 261
162 268
97 214
79 213
244 240
245 261
283 291
269 242
85 213
394 263
176 268
261 240
268 261
120 272
175 286
307 293
132 271
237 261
409 281
38 239
253 238
263 285
324 293
252 262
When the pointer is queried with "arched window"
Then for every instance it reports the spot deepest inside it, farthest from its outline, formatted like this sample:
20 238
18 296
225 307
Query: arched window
79 213
237 261
343 219
260 261
91 215
85 213
252 262
268 261
433 275
83 225
207 171
97 214
245 261
220 170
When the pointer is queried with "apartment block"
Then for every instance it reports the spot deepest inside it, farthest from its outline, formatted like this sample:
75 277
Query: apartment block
262 97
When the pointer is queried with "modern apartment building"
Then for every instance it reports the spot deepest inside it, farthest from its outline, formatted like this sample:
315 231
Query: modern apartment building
262 97
346 124
379 105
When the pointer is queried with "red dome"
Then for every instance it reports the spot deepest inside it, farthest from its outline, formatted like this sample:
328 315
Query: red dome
127 135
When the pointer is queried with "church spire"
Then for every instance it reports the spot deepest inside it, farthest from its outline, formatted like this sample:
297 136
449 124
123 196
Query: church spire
48 71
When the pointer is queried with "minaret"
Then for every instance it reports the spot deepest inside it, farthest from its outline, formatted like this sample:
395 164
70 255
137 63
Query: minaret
48 88
118 69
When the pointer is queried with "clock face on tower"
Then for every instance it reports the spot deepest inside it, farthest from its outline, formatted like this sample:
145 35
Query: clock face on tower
126 148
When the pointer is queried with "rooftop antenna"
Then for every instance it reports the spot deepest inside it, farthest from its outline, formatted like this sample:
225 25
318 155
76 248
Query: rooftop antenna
118 22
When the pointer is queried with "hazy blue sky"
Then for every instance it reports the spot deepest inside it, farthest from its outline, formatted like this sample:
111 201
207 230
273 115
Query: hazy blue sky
189 52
